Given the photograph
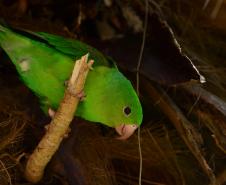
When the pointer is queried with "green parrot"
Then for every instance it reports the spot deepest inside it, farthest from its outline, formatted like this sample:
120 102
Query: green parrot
45 62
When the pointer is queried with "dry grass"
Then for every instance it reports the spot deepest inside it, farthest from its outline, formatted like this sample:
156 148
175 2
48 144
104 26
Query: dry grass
92 156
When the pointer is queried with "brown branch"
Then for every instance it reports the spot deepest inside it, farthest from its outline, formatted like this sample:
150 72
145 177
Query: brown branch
208 97
187 132
215 121
59 126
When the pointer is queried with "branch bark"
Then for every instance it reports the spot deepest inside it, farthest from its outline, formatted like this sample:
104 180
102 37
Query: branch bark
59 125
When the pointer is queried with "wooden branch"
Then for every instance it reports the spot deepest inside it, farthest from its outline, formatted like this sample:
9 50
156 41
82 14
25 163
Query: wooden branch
215 121
59 126
208 97
187 132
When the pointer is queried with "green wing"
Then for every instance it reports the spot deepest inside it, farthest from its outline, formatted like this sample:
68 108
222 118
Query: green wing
45 60
73 48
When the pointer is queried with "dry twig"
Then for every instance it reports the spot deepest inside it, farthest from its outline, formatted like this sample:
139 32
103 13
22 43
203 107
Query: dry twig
215 121
188 133
59 126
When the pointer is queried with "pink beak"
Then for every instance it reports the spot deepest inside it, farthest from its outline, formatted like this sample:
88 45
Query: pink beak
125 131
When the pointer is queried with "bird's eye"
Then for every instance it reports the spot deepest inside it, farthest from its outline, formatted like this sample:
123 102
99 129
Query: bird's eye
127 111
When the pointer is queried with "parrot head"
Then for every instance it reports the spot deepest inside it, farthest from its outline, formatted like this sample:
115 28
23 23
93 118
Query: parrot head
111 100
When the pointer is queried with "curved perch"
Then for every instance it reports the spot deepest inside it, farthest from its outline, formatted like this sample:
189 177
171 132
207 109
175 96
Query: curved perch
59 125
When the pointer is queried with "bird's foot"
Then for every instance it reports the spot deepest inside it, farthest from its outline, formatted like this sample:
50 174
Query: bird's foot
51 113
46 127
81 95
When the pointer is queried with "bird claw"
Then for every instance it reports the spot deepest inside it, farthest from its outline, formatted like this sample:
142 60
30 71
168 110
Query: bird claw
46 127
81 95
51 113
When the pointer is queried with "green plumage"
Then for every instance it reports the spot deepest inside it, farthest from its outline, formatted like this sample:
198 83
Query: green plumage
46 64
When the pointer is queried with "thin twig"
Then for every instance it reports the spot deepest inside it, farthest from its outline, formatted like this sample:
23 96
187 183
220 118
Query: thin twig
137 86
6 171
188 133
59 126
